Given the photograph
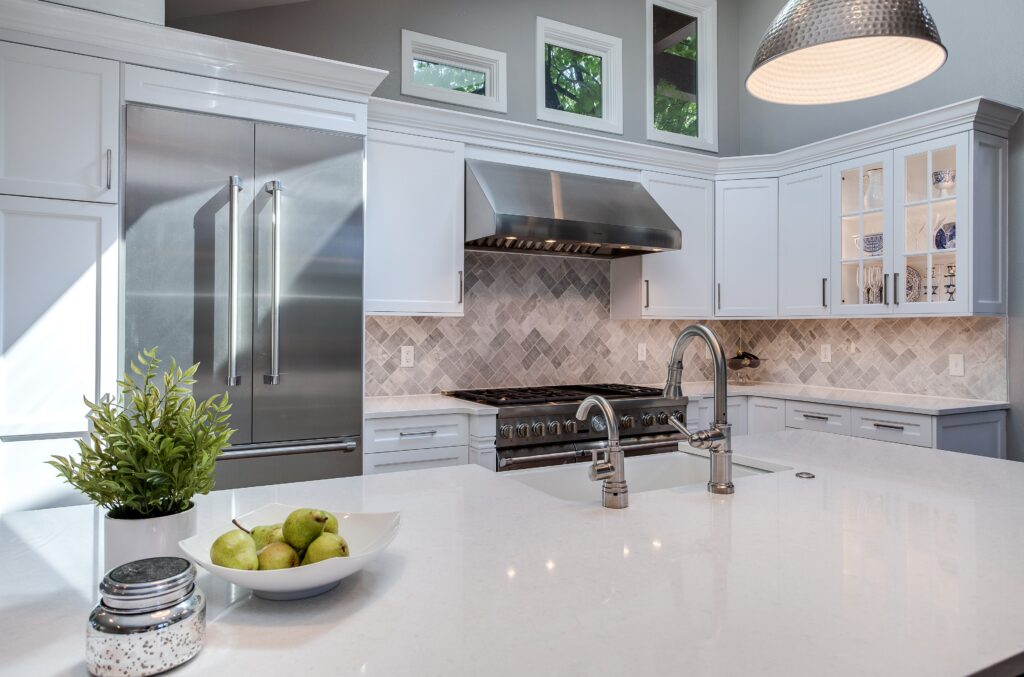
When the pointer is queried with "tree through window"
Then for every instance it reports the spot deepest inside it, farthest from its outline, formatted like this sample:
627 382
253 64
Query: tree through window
675 72
573 81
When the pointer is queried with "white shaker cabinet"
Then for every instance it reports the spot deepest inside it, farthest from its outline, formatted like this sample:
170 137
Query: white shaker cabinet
59 124
58 312
746 248
804 243
415 233
673 284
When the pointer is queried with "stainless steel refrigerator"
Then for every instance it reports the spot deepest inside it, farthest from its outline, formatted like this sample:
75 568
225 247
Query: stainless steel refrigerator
243 251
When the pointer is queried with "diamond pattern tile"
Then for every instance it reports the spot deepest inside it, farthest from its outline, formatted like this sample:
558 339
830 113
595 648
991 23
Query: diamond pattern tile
541 320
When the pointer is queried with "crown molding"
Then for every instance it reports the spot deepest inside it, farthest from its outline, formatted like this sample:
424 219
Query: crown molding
69 29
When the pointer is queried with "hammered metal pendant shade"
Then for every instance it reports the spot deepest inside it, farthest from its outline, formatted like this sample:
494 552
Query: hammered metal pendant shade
827 51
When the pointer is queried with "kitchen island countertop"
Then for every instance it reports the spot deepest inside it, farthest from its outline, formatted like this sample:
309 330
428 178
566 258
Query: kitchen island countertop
893 560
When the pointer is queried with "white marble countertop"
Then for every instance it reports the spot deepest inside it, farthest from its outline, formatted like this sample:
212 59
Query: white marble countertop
416 405
895 560
870 399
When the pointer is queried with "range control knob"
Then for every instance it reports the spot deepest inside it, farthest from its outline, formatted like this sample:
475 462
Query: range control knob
554 428
626 422
506 431
662 418
522 430
647 419
570 426
538 430
597 422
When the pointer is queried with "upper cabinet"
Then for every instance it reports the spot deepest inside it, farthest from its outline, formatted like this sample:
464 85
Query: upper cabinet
415 232
804 243
746 248
675 284
58 124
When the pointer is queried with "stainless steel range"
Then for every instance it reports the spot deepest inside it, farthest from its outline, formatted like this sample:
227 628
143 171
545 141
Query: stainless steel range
537 426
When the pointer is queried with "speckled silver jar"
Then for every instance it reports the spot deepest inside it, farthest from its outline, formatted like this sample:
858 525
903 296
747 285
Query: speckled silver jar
151 618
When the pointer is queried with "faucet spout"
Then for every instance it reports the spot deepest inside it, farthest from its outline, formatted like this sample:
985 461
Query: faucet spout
718 438
612 469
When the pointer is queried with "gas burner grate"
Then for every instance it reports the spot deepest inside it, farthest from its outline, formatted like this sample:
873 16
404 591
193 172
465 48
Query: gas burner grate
551 394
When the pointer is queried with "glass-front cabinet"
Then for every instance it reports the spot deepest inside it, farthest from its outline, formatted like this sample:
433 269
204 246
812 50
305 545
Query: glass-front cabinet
862 209
931 265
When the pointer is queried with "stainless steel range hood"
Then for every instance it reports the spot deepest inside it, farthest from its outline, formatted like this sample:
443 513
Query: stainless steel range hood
538 211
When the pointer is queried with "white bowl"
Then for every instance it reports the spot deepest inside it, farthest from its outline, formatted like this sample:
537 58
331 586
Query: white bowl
367 534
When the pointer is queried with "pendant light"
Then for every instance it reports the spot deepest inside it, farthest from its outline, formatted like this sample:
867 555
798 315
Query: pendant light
827 51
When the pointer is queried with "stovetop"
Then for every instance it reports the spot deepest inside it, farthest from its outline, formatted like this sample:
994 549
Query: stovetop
499 397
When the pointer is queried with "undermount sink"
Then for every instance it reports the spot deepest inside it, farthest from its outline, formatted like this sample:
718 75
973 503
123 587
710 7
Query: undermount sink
643 473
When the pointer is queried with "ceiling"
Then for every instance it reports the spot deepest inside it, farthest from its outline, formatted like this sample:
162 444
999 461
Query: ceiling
181 9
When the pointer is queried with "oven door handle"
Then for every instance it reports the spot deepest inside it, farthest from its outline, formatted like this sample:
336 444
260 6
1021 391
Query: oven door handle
558 455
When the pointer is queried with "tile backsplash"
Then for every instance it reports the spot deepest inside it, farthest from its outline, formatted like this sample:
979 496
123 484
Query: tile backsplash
542 320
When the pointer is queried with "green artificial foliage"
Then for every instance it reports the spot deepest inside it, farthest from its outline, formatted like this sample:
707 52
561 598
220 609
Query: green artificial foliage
151 449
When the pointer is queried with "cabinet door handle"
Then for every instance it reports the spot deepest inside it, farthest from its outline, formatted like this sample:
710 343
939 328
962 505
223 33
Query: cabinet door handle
889 426
234 188
824 297
885 289
647 293
719 295
815 417
896 288
462 291
421 433
110 168
274 377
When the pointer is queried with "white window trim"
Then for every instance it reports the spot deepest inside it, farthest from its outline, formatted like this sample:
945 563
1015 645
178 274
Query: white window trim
706 12
609 48
458 54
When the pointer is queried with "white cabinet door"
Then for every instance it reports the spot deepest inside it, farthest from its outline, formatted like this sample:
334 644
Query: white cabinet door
58 312
736 410
414 225
746 248
58 124
765 415
675 284
804 243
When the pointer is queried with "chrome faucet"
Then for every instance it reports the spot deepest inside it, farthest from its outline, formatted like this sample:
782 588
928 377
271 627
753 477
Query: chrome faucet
717 438
612 469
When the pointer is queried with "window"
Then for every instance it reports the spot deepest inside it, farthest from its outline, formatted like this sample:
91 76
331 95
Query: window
453 72
579 77
682 91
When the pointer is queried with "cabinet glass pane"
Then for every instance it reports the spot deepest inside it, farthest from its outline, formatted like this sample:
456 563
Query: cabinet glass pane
944 282
944 172
851 238
874 187
872 283
916 181
944 225
918 234
849 284
913 283
852 202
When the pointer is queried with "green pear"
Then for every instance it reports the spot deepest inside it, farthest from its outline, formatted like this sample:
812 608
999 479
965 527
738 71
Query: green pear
265 535
278 556
331 526
303 526
235 550
328 545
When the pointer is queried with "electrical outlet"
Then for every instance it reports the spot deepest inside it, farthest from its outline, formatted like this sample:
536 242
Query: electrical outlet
408 356
641 352
956 364
826 352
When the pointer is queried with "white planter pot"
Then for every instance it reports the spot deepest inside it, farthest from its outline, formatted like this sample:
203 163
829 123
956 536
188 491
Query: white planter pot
126 540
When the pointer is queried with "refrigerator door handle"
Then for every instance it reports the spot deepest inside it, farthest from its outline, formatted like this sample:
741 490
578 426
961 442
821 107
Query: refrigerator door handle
230 454
234 188
274 377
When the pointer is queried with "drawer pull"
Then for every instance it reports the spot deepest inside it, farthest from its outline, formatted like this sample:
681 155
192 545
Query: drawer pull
421 433
815 417
889 426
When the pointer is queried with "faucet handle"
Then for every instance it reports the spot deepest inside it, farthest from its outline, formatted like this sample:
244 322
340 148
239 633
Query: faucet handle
601 471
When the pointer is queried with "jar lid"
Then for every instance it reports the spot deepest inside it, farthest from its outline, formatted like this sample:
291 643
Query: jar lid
148 584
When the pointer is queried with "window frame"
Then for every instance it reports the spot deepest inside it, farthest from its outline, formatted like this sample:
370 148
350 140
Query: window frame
706 13
578 39
491 63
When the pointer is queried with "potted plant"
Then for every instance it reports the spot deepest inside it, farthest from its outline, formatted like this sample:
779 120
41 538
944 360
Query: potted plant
149 451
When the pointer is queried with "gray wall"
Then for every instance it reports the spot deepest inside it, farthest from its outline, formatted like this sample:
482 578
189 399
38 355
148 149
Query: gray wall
986 58
369 33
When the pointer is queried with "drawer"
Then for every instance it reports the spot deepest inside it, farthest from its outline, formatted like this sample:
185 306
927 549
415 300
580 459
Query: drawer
827 418
415 432
892 426
415 459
